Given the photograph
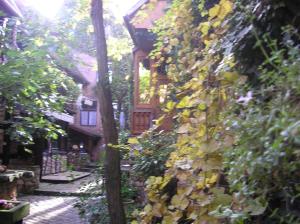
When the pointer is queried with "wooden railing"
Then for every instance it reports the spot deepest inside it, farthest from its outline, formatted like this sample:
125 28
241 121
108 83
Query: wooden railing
141 120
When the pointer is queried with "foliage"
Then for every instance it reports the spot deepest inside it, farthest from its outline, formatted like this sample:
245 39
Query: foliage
263 166
191 186
92 206
31 84
206 53
94 210
80 37
120 83
128 191
144 84
123 145
151 153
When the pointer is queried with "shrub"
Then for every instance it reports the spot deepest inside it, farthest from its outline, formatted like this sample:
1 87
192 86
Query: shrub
151 153
263 167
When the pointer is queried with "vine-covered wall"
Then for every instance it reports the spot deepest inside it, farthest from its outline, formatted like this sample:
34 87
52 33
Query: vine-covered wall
234 93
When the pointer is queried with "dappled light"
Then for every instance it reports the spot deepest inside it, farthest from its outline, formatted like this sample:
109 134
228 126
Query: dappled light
48 9
149 112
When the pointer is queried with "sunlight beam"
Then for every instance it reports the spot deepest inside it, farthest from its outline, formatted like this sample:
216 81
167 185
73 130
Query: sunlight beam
48 9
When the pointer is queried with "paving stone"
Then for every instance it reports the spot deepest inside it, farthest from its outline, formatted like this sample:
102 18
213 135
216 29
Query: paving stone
67 176
52 210
74 188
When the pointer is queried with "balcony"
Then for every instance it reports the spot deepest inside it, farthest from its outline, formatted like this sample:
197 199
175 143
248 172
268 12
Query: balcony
141 120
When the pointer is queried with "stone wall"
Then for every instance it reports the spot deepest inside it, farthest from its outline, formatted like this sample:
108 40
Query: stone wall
27 184
8 190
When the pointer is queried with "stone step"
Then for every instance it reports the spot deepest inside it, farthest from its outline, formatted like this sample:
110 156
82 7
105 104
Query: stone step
65 177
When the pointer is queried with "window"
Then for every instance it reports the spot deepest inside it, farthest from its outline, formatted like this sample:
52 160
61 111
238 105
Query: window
88 114
88 118
162 92
144 81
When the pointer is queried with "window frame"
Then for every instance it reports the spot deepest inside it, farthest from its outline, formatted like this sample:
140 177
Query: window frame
88 118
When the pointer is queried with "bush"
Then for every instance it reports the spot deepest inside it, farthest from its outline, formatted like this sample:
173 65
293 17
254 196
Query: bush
152 152
263 167
93 206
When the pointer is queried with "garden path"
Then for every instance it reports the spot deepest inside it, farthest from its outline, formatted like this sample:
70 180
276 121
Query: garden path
54 203
52 210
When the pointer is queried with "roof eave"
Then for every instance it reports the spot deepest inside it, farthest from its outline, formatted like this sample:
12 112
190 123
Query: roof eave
11 8
130 29
135 8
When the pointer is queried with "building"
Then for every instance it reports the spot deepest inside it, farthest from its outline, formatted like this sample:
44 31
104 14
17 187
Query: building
150 82
86 130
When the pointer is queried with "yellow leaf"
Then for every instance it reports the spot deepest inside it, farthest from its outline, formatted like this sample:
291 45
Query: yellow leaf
203 199
174 42
186 113
226 8
183 128
216 24
148 208
136 153
180 201
202 106
157 210
184 203
133 141
184 102
160 120
176 200
204 28
213 12
168 220
187 190
212 179
170 105
230 76
202 131
220 198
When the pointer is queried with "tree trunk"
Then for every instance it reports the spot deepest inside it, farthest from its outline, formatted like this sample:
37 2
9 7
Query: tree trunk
112 161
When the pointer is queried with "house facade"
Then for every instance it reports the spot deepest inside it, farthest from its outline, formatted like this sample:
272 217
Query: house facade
150 82
86 130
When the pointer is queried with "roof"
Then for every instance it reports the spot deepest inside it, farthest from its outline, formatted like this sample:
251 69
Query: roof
84 131
140 32
135 8
10 7
129 15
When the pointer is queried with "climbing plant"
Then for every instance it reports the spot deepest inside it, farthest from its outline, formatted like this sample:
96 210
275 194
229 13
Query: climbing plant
200 76
233 71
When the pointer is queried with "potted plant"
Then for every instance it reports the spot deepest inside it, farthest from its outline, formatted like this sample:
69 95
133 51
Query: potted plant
13 212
